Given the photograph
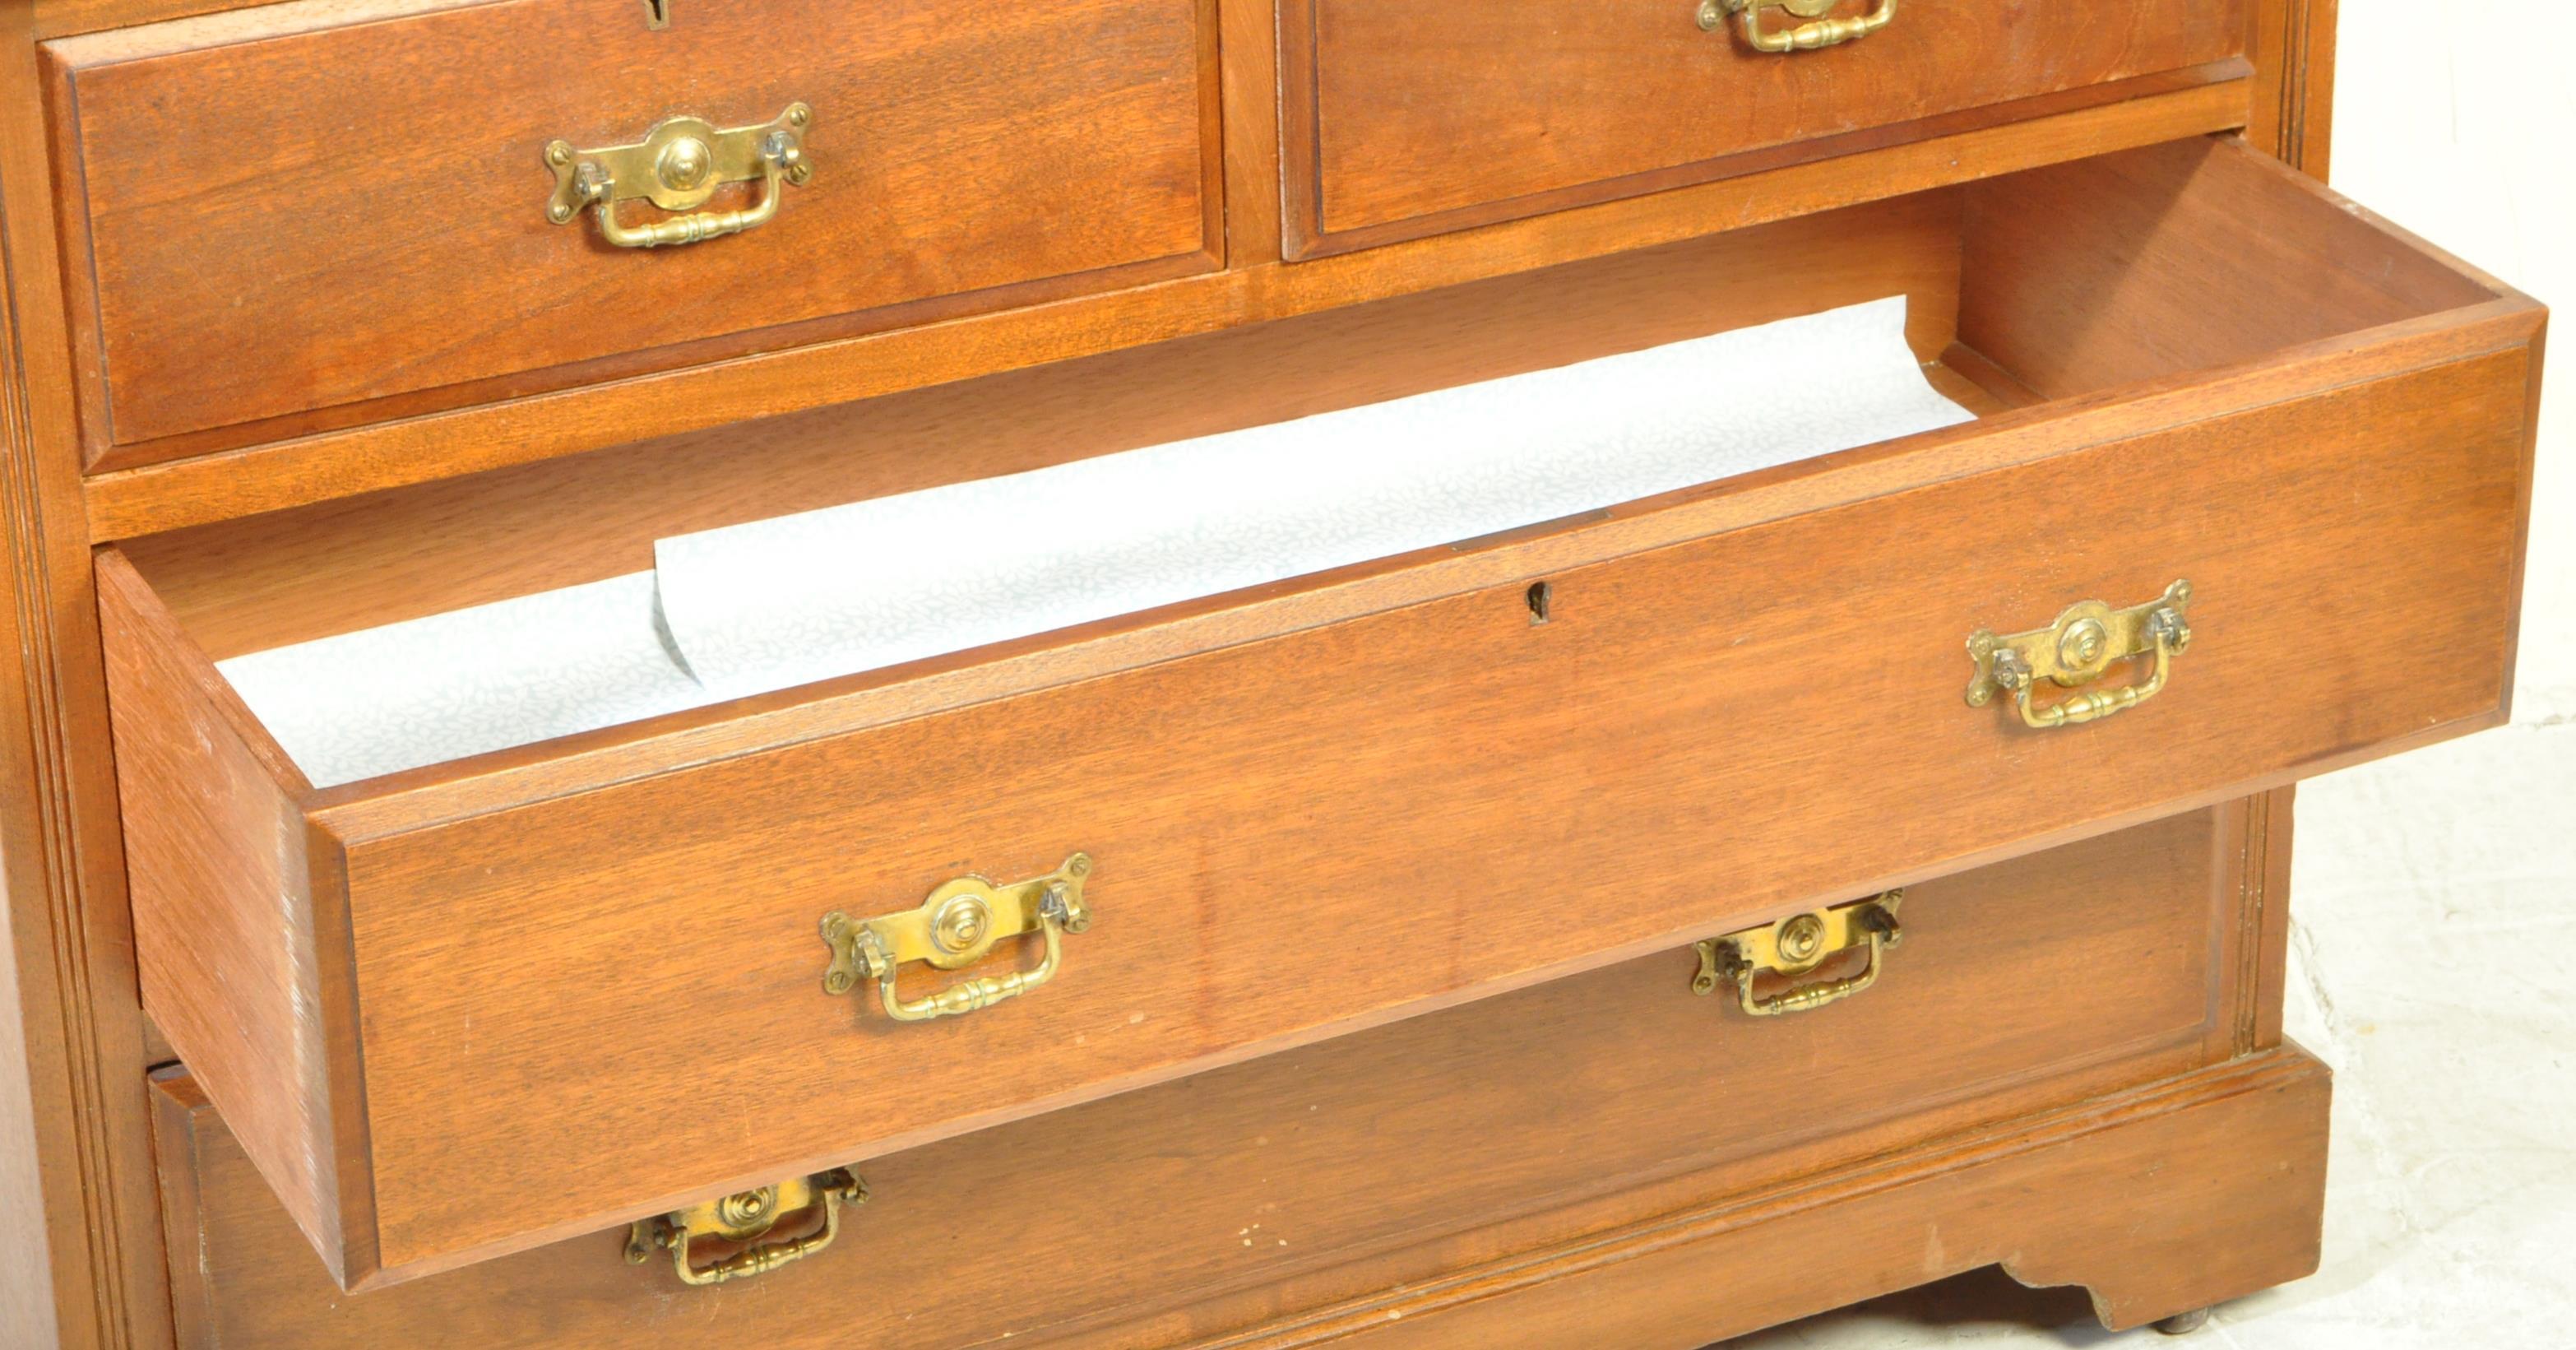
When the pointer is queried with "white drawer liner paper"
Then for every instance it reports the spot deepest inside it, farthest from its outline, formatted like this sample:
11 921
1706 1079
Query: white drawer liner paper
787 601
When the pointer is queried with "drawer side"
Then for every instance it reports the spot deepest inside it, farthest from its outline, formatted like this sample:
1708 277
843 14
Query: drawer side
223 875
2193 255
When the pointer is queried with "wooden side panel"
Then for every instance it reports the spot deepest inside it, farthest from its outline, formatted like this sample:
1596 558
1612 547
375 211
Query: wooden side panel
1488 801
2293 49
223 891
1377 1160
1402 119
2266 879
360 210
75 1144
2130 267
192 1149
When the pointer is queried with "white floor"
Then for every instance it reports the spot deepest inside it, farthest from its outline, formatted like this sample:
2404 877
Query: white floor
2434 903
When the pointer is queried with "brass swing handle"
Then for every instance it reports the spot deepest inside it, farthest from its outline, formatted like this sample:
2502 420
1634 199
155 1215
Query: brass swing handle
963 920
1818 32
2087 640
744 1219
1795 945
677 166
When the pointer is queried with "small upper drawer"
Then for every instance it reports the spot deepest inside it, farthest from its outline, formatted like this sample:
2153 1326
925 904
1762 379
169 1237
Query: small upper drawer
282 219
1402 120
461 1008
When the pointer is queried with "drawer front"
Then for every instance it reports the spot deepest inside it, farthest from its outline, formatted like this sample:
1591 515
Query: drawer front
366 207
1406 119
472 1008
1385 1158
1687 736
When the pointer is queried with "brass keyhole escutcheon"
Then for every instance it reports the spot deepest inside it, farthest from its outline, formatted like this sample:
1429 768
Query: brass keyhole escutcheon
960 924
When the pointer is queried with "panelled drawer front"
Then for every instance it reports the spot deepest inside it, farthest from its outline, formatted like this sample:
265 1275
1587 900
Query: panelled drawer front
511 1000
1294 833
1388 1157
360 213
1406 119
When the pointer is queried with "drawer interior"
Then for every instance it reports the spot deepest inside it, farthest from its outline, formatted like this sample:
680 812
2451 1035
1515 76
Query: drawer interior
434 1005
2056 284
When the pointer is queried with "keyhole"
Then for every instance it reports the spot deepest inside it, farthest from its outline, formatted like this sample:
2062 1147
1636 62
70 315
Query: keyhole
657 13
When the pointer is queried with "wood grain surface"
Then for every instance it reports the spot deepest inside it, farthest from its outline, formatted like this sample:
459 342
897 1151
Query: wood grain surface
82 1160
2157 1202
266 189
75 1125
1493 754
2161 1197
1697 705
1405 119
2293 50
1394 1155
256 992
2044 298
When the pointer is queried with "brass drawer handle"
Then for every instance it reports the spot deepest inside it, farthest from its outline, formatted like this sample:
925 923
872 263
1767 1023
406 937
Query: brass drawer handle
961 921
1818 32
677 166
1797 944
743 1220
2084 642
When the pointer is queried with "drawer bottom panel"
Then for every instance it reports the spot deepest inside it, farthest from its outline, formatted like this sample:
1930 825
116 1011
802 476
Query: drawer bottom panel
1225 1201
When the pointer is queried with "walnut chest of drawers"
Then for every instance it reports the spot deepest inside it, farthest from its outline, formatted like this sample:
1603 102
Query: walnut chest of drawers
1516 942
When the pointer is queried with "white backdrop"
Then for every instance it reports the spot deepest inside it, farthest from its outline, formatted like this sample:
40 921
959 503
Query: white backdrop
2457 120
2434 895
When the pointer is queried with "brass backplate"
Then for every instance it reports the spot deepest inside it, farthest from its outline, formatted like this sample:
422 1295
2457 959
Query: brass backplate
1797 944
742 1220
963 919
677 166
2086 640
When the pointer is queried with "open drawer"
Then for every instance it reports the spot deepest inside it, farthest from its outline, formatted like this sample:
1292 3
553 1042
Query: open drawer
468 1008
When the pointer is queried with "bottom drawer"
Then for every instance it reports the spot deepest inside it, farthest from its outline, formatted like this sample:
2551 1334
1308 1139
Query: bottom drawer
1282 1189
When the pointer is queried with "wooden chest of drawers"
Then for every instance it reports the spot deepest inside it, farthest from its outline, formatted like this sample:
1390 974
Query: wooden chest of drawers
1431 951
